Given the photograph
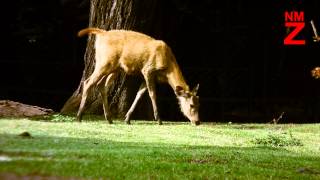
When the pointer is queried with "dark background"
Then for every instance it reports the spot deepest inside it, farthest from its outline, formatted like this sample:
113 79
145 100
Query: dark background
233 48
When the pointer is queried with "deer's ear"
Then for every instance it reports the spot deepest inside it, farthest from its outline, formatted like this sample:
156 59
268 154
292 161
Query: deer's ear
195 89
179 91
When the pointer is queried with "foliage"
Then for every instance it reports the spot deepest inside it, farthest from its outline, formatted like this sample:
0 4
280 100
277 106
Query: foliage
61 118
278 140
145 150
66 117
54 118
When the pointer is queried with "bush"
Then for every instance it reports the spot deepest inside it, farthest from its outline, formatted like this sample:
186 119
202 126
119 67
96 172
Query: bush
278 140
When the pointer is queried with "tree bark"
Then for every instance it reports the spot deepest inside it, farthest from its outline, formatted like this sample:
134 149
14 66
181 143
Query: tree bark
137 15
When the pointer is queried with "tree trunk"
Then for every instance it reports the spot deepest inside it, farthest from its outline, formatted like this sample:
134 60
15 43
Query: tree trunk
137 15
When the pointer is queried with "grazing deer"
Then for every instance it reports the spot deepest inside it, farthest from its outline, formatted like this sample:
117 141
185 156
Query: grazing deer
137 53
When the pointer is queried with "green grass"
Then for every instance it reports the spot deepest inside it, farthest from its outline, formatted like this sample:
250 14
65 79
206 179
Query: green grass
145 150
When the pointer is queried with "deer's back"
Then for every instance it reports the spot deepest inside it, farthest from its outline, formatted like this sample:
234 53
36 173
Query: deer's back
133 51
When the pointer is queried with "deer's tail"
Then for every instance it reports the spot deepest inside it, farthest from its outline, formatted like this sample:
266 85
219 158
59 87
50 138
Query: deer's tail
90 31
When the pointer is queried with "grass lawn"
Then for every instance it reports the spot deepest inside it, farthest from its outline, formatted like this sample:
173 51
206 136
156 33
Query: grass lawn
145 150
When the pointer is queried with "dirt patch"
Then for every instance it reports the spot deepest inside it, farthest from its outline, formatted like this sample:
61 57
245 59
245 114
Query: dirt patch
15 109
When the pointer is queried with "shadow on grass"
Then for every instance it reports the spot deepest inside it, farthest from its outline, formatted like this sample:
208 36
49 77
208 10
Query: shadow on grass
95 158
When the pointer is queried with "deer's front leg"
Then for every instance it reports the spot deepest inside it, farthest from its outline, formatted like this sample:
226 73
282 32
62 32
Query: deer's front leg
140 92
152 93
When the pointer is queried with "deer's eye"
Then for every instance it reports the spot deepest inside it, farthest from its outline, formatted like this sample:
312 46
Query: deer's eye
191 105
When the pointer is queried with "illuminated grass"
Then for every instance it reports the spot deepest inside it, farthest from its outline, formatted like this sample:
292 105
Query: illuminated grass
146 150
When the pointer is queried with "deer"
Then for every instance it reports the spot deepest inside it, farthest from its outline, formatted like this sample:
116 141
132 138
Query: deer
137 53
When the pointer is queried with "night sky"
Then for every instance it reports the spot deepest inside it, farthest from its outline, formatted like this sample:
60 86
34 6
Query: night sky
233 48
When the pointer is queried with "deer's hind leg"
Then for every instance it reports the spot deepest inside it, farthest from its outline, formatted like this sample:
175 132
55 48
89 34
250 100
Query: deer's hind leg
87 86
98 74
103 87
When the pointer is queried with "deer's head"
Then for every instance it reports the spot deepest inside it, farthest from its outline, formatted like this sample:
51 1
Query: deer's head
189 103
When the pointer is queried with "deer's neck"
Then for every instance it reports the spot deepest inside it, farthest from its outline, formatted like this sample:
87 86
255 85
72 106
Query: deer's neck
175 77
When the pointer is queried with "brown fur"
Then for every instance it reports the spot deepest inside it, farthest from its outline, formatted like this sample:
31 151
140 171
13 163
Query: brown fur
90 31
316 73
133 52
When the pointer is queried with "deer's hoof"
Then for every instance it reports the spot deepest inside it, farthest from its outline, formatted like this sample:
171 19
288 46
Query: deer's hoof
78 119
127 121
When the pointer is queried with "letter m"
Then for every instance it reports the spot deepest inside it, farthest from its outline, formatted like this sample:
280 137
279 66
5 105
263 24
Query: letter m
294 16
